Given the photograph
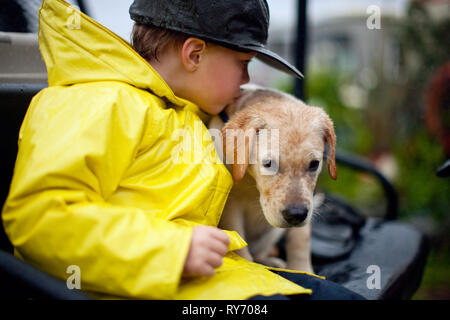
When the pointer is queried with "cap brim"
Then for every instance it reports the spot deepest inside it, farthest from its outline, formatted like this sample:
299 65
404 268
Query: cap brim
268 57
272 59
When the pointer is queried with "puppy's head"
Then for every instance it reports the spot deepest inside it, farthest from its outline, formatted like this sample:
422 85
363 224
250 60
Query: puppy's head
280 142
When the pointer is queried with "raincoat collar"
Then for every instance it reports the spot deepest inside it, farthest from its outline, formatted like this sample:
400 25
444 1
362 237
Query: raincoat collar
77 49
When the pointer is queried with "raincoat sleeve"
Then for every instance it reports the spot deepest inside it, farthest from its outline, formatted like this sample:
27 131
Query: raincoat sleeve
73 150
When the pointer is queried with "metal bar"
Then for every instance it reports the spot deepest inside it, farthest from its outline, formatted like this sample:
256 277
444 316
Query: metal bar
21 89
300 48
358 163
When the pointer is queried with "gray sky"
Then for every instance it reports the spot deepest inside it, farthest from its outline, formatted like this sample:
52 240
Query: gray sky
114 13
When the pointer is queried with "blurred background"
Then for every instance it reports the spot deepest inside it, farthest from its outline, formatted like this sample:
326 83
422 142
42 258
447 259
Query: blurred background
381 69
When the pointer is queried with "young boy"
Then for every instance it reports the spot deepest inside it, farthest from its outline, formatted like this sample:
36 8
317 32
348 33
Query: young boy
96 182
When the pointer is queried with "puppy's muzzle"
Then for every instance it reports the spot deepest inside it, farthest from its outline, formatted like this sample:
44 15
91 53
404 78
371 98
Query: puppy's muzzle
295 215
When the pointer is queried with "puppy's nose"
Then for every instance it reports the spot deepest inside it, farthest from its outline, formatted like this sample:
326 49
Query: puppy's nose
295 215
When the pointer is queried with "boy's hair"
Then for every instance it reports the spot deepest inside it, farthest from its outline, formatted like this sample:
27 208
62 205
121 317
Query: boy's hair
150 41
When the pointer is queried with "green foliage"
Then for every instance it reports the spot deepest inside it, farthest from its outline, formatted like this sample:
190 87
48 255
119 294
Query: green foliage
435 283
427 38
421 191
351 128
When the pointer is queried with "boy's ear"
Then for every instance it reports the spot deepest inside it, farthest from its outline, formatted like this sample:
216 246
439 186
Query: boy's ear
192 52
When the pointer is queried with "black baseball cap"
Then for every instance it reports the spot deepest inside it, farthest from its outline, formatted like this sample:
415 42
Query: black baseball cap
241 25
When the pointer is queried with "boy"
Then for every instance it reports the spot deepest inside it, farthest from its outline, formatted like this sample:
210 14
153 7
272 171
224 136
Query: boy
95 182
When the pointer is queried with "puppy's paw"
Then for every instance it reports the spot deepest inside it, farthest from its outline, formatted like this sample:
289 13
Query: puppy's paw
272 262
304 267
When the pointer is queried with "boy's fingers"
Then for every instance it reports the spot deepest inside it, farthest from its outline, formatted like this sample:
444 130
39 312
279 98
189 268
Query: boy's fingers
215 260
208 271
221 236
205 270
218 247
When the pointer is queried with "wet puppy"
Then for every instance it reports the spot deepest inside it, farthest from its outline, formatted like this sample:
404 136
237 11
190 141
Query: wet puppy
279 142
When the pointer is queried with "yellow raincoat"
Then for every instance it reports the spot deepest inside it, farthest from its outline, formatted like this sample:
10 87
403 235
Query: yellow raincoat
96 185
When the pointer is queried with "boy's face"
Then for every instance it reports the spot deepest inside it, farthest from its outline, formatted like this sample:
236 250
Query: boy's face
220 76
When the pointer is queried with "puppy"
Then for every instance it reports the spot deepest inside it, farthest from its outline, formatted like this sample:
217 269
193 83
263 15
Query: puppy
279 142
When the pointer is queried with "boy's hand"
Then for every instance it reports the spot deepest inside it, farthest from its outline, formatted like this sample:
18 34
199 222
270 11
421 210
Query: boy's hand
208 246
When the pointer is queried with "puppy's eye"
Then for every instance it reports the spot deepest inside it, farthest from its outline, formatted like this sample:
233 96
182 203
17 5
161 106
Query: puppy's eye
267 163
269 167
313 165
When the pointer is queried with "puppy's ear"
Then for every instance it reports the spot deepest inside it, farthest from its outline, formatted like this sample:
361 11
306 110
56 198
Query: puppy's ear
330 141
239 136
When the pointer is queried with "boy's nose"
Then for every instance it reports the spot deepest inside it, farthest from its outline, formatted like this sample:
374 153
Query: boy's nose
245 77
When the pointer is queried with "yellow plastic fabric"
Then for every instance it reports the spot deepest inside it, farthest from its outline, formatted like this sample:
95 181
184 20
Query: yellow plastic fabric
95 184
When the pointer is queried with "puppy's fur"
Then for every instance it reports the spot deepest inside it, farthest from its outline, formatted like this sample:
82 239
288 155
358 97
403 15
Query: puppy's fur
277 192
